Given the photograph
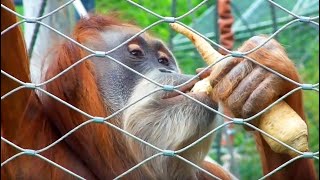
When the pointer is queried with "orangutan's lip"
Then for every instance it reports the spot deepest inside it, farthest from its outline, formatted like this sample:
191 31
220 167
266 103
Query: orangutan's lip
184 89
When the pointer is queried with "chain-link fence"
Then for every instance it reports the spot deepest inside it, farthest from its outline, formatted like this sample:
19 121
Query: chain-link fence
297 20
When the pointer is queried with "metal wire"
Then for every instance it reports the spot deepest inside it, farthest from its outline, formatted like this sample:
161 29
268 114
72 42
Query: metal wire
104 120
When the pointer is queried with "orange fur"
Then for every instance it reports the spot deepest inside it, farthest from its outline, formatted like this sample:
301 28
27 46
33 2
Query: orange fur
32 122
23 120
274 56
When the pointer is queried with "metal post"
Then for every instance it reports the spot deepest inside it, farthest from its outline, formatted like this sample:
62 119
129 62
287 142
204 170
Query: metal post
89 5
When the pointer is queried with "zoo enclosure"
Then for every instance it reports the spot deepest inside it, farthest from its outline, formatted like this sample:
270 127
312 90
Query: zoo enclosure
297 19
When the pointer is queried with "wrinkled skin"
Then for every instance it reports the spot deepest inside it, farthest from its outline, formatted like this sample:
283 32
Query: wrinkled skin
245 87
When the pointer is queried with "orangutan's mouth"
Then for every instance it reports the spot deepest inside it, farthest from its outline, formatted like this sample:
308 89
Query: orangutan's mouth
184 89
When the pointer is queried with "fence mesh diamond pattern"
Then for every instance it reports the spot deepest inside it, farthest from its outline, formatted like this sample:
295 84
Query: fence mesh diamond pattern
297 19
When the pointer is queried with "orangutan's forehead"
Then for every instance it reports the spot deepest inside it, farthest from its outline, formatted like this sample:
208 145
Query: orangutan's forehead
119 34
128 31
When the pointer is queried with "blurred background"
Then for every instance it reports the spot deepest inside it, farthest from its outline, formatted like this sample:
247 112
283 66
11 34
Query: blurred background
233 147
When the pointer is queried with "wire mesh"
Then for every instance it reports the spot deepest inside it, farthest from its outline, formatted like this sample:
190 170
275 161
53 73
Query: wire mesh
104 120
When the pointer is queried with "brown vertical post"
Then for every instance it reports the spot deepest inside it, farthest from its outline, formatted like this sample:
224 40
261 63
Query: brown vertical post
225 21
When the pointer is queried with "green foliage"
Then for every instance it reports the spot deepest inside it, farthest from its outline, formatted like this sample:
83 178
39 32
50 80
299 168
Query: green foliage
19 9
310 74
143 19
